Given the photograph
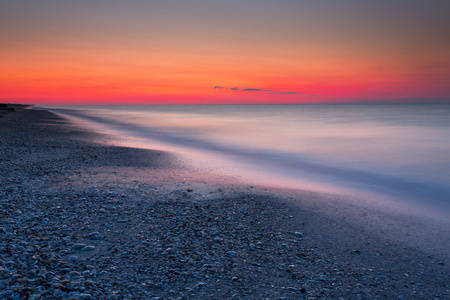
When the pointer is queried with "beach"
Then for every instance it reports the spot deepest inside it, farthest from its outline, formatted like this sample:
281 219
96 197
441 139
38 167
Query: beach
85 219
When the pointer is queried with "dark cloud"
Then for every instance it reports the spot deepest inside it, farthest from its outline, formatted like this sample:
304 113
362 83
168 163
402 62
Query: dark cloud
257 90
289 93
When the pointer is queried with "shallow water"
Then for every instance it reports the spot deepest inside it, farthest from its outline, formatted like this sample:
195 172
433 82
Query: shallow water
397 150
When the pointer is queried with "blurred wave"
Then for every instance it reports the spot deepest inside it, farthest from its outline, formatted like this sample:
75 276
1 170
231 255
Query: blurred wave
395 149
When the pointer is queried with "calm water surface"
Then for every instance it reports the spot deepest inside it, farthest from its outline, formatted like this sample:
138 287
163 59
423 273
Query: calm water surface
400 150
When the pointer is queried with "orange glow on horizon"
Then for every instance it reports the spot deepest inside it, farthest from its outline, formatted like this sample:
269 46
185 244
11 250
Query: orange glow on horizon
179 57
187 78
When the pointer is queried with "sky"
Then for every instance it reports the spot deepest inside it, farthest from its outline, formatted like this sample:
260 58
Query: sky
224 52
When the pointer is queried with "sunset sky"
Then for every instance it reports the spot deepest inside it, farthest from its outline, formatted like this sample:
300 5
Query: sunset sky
234 51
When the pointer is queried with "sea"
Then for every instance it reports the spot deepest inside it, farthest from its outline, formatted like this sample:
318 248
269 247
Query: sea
399 152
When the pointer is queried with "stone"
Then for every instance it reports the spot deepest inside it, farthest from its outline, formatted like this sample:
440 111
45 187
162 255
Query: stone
88 248
78 246
95 236
74 273
73 258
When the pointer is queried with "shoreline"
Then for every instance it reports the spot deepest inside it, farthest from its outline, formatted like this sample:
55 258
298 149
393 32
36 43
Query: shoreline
153 229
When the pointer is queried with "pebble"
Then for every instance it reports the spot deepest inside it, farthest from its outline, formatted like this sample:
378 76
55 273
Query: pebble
90 267
95 236
88 248
78 246
74 273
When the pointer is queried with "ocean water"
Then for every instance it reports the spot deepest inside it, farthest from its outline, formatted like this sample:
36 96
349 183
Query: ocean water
398 150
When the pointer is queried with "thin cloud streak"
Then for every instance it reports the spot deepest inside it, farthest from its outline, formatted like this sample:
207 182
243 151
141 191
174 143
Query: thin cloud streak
257 90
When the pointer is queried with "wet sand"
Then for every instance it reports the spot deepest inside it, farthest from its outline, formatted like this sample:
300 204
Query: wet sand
82 218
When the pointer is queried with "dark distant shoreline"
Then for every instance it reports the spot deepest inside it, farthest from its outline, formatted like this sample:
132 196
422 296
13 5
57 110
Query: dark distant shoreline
6 108
446 102
85 219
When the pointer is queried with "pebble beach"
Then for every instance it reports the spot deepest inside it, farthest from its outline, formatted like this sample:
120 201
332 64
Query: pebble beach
84 219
